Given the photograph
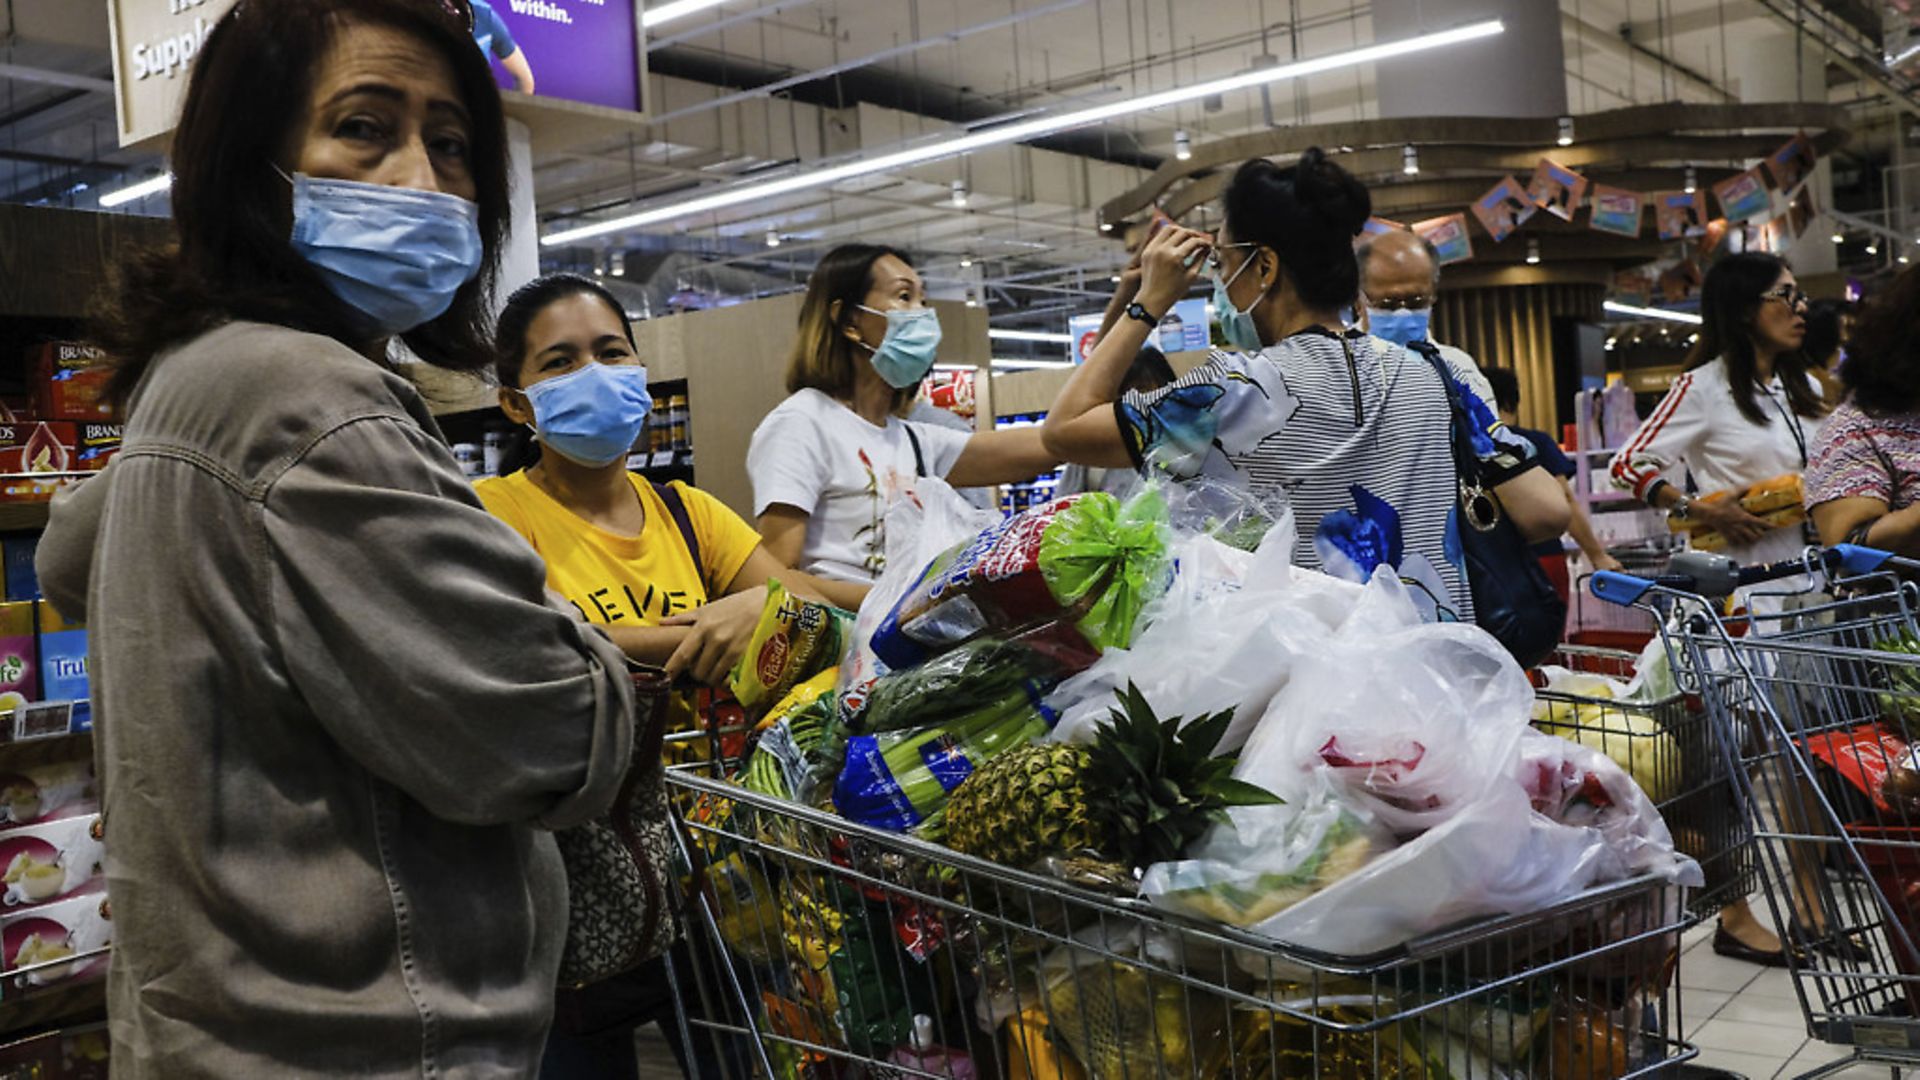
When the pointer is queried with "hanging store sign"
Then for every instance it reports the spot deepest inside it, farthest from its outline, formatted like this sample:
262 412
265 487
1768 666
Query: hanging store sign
583 51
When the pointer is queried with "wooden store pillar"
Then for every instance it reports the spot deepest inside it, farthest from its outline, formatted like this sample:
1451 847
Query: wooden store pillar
1506 317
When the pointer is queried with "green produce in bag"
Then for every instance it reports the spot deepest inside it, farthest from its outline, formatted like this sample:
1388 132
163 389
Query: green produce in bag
953 685
897 779
875 1011
1068 579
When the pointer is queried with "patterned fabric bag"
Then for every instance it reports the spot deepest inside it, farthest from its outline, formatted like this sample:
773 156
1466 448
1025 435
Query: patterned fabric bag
619 867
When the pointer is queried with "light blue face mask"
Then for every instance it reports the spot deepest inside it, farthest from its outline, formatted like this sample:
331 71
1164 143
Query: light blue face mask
905 355
1401 327
592 416
395 255
1235 325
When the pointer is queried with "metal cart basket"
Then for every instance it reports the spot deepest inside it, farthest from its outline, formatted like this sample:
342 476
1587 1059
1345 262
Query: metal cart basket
824 948
1815 720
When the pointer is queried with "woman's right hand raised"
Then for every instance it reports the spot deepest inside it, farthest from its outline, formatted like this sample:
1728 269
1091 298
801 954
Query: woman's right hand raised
1169 265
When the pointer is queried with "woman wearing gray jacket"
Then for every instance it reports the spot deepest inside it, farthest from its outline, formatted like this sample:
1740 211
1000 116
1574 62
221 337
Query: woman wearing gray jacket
334 706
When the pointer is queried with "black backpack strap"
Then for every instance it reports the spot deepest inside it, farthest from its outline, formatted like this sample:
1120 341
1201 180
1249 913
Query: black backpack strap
919 459
677 507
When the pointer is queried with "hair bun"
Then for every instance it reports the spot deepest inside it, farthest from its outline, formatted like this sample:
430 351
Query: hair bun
1331 192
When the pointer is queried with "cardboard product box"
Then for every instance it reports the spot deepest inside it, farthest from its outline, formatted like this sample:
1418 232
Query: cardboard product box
97 445
50 861
19 657
62 646
51 932
45 792
70 382
36 446
22 580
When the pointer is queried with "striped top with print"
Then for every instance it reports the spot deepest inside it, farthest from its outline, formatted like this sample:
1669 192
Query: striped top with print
1354 431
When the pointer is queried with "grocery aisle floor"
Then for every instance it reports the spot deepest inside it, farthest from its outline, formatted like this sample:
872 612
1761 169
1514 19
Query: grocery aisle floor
1747 1019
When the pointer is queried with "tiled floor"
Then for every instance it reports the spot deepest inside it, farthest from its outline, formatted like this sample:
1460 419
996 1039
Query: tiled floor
1746 1018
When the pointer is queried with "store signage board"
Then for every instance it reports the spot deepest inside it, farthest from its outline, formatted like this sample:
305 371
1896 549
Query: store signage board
579 52
1185 329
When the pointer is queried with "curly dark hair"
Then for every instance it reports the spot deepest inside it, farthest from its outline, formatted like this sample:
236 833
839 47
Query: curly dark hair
232 211
1882 371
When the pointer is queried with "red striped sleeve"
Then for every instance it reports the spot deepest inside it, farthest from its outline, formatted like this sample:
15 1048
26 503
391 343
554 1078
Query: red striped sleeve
1625 471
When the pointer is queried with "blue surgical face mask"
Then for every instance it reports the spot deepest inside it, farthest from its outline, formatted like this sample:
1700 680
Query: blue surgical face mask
1400 327
395 255
1235 325
905 355
592 416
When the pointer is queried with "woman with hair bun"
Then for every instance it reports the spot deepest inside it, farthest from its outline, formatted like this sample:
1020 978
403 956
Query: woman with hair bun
1354 430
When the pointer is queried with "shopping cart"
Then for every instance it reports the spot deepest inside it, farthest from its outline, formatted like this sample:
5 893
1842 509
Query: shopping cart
1666 743
1822 701
829 949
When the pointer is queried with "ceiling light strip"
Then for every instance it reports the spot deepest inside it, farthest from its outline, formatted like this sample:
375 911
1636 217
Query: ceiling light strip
151 186
1020 131
1651 313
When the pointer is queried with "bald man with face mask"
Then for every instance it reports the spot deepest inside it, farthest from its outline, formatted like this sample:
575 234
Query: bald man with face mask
1399 281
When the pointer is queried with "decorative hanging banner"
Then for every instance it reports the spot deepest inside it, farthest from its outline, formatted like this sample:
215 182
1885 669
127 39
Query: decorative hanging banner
1791 163
1801 209
1615 210
1556 189
1680 213
1377 225
1504 208
1712 237
1743 196
1448 235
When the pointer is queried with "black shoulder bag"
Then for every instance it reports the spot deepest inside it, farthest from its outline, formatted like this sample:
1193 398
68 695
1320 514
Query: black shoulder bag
1512 598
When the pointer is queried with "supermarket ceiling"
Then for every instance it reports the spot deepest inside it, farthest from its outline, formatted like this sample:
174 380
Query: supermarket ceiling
752 87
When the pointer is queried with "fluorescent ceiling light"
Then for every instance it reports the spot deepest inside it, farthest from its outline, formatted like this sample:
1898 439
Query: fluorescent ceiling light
150 186
1019 131
1031 335
654 16
1651 313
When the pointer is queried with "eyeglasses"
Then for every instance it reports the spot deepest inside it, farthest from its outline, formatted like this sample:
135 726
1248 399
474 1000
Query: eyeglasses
1787 294
1400 303
1213 255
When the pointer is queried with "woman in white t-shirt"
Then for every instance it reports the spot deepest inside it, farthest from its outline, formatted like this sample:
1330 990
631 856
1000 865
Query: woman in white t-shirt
827 462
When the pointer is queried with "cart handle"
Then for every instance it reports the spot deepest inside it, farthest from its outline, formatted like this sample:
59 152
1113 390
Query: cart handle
1710 574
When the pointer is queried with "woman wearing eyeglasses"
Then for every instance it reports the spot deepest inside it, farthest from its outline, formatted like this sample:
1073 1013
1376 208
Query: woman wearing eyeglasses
1746 411
1349 426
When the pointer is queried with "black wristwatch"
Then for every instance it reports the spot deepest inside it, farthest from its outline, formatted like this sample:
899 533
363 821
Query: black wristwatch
1136 311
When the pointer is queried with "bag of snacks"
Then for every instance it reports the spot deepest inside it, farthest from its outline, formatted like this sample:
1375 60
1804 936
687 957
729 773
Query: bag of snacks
795 641
1069 579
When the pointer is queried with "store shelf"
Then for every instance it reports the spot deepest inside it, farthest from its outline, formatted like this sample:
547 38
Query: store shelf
23 517
41 721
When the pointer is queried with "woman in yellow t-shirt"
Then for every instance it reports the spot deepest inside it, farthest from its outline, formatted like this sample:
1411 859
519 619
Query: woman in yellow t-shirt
677 579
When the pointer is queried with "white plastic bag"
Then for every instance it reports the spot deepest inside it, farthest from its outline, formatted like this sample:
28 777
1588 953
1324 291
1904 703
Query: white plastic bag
1415 720
933 518
1223 637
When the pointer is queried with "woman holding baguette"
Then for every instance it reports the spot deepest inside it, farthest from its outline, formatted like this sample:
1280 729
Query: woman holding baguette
1738 423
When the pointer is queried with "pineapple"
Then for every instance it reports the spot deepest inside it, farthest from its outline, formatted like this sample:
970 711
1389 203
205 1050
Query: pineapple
1143 791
